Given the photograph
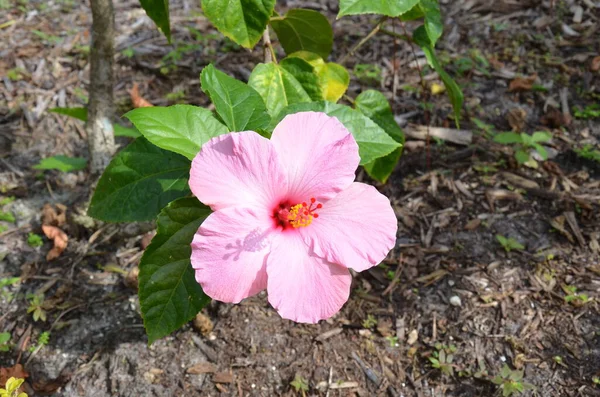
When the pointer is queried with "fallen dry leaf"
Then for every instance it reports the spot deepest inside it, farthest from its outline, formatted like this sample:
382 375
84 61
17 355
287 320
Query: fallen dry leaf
516 119
17 372
54 217
595 66
522 83
136 98
60 241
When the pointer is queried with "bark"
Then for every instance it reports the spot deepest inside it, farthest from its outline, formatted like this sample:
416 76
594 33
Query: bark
101 141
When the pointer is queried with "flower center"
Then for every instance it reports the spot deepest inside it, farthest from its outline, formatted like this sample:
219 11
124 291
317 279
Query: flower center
299 215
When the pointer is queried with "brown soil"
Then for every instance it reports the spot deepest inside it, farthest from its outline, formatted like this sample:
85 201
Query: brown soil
448 281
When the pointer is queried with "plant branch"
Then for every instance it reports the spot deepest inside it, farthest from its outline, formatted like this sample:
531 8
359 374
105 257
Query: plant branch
101 141
397 35
269 51
368 37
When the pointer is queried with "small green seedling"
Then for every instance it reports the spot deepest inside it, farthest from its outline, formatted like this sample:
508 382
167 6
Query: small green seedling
36 306
589 112
300 385
596 380
524 143
393 340
574 298
4 341
442 358
34 240
509 244
7 217
368 73
511 381
369 322
42 341
588 152
6 200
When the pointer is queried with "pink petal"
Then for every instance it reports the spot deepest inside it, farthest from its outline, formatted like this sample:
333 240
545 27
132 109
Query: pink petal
303 287
357 228
237 169
229 253
318 153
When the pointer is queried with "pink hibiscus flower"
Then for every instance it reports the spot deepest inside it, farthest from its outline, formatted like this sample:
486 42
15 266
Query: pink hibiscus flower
288 217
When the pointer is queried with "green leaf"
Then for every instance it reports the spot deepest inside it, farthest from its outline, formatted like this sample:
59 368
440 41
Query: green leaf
507 137
78 113
243 21
541 151
333 78
169 294
139 182
304 30
277 86
181 129
541 136
4 337
421 38
521 156
372 140
158 11
61 163
238 105
119 130
433 19
390 8
305 73
374 105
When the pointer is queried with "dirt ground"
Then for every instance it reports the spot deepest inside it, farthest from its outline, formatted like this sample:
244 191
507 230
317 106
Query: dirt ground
448 288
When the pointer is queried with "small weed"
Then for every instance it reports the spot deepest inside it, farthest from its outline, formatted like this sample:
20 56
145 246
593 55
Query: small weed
5 282
442 358
80 93
7 217
485 168
369 322
34 240
4 341
300 384
573 297
488 129
511 381
36 306
368 73
393 340
509 244
525 142
175 96
589 112
128 52
588 152
6 200
47 38
42 341
15 74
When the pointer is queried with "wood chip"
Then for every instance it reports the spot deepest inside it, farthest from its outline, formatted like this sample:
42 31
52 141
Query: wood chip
595 65
519 181
572 221
203 324
202 368
328 334
223 377
460 137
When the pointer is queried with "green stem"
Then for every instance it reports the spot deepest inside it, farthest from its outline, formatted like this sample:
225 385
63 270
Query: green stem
368 37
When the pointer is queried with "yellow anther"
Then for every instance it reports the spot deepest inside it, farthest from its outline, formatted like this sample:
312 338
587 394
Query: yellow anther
299 216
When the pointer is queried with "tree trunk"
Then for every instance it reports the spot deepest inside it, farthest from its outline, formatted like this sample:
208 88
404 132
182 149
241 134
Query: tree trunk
101 141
